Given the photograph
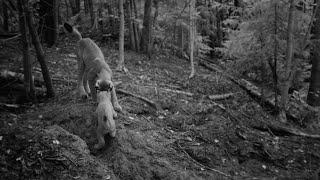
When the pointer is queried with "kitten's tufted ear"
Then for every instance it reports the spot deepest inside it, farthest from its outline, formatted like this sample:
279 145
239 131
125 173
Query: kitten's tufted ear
68 27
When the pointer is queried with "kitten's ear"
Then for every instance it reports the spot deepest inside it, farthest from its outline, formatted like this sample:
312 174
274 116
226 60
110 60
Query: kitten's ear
68 27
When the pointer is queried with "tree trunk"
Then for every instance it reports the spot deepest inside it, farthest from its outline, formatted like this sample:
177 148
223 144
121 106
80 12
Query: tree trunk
75 6
5 16
154 25
236 3
131 27
219 28
285 81
313 98
86 6
120 66
92 15
136 25
27 68
147 25
40 53
275 54
181 40
191 36
67 8
49 22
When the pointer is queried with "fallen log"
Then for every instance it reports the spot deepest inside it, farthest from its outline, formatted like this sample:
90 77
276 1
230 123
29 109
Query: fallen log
151 103
17 77
283 130
221 96
10 37
165 89
298 109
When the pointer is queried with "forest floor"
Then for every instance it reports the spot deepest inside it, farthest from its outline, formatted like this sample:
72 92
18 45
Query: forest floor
191 137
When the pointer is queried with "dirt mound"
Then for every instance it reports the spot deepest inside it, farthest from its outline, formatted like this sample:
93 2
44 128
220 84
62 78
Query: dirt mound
76 151
137 156
140 150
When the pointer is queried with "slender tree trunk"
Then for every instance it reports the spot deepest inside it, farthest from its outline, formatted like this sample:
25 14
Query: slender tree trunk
120 66
27 68
285 81
181 40
219 29
313 98
131 27
136 25
78 5
5 16
92 15
191 36
154 25
67 8
40 53
236 3
147 25
86 6
275 53
48 10
75 6
311 25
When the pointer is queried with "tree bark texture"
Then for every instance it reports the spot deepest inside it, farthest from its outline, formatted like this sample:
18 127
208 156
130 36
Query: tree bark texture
285 81
49 21
121 37
40 53
147 25
313 98
27 68
191 36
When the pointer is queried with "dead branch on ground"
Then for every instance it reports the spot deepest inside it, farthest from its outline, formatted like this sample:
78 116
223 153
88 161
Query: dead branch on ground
221 96
280 130
201 165
148 101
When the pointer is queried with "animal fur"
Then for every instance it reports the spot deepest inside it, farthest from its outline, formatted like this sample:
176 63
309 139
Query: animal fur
94 73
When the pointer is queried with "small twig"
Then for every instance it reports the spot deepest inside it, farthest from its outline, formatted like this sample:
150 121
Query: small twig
201 165
12 38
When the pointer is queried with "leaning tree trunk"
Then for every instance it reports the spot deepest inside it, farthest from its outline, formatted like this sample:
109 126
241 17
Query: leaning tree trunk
40 53
285 81
147 25
120 66
313 98
49 22
191 36
27 68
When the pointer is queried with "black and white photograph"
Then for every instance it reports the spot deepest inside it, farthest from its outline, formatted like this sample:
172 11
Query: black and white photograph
160 89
